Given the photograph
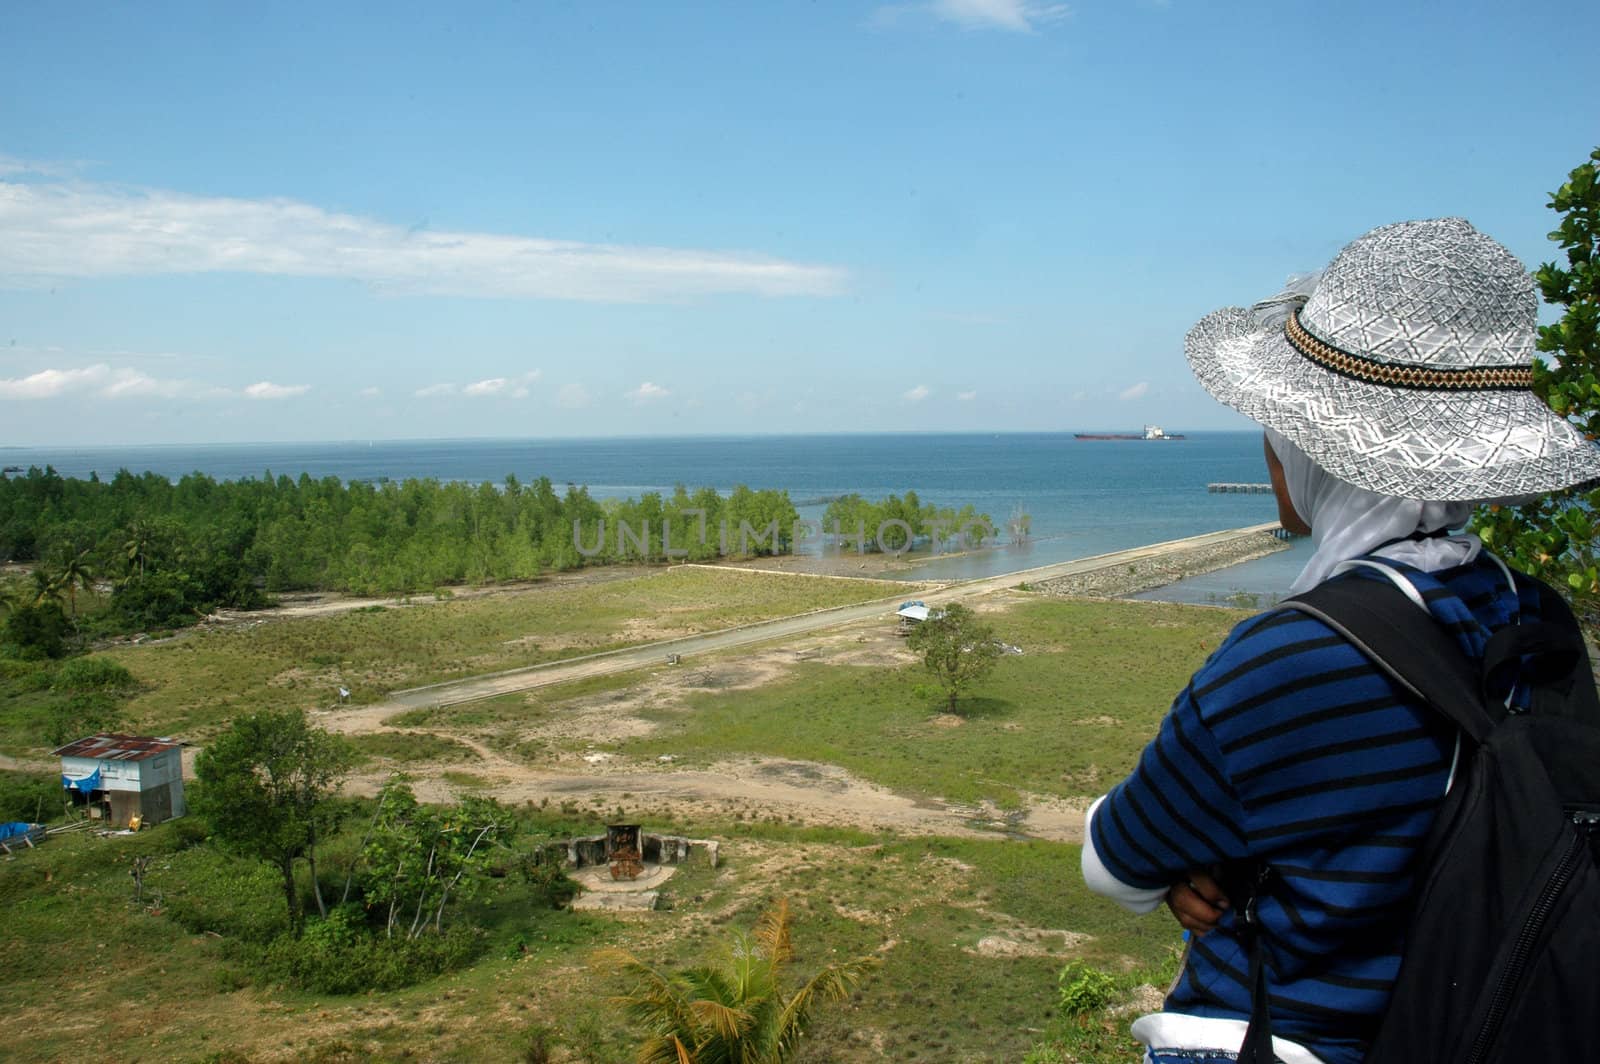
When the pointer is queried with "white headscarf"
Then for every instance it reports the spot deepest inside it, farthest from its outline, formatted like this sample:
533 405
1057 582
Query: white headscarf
1347 521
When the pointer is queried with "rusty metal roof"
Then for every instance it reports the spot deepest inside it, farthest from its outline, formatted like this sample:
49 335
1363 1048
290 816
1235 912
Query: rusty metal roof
109 746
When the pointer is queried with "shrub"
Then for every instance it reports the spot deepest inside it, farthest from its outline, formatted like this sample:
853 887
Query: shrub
546 874
83 714
37 632
1085 990
208 890
158 600
92 674
339 955
30 674
29 797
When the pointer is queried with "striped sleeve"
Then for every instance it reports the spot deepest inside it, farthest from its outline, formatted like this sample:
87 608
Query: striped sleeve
1177 810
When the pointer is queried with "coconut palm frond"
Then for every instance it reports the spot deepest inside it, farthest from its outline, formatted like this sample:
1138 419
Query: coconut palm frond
665 1049
710 984
747 969
772 933
834 983
722 1022
656 1000
733 1012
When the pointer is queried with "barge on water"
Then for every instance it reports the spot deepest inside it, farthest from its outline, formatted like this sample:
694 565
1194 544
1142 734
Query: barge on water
1151 432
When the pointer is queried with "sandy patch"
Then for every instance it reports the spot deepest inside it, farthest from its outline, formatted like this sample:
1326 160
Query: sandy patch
1037 943
1146 998
862 916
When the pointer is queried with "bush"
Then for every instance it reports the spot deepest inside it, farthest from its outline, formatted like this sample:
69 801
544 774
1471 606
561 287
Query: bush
547 875
207 890
1085 990
37 632
158 600
29 797
340 955
30 671
92 674
83 714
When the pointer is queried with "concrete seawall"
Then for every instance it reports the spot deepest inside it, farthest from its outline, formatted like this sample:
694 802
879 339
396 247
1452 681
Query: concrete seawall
1145 574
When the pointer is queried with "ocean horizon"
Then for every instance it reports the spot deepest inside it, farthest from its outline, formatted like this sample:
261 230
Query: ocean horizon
1083 497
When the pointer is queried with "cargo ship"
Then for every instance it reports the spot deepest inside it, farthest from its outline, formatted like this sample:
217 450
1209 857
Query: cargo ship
1151 432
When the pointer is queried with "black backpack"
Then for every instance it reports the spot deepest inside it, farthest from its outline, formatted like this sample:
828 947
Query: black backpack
1502 953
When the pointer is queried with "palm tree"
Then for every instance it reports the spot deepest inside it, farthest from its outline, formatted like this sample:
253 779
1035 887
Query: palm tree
736 1012
73 573
46 586
141 537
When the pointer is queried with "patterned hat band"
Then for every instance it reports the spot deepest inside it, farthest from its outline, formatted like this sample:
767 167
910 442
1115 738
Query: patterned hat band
1395 375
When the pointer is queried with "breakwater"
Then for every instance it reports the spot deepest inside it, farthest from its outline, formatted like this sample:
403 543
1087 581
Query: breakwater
1144 574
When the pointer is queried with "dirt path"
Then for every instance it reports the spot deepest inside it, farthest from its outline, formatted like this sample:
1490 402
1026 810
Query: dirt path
754 788
806 792
761 788
472 689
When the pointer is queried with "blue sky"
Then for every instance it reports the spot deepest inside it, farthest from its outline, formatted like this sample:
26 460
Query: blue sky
342 221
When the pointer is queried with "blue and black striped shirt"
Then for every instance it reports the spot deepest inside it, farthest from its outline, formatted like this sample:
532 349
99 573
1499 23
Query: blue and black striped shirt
1289 746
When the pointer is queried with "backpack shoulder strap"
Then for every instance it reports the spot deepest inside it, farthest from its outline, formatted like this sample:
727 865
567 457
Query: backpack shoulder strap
1547 650
1405 643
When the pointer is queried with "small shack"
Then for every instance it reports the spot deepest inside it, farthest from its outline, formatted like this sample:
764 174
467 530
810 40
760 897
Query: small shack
118 777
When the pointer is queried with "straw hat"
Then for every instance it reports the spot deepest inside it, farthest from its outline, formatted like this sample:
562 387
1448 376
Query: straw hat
1406 372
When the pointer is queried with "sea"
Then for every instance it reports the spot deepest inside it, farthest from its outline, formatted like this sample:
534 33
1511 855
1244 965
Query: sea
1083 497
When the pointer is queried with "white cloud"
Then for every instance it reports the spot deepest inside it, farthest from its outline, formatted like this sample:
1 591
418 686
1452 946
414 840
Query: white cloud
1017 16
131 383
49 383
99 380
966 397
524 384
918 394
370 393
268 390
647 392
60 228
573 396
1013 16
433 391
1134 391
492 386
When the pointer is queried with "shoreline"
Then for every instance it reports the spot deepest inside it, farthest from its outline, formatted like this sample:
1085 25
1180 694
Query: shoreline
1118 580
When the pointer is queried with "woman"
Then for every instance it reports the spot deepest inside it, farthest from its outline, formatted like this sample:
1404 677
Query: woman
1394 390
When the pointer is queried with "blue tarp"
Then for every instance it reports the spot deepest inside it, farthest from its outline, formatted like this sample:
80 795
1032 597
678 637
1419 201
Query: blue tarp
16 827
88 783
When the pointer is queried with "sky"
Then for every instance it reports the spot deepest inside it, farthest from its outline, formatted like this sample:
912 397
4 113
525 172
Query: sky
234 223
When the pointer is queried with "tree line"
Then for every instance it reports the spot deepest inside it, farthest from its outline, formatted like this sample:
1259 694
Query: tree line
173 550
898 523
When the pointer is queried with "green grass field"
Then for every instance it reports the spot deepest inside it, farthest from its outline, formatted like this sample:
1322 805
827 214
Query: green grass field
971 932
192 684
1065 718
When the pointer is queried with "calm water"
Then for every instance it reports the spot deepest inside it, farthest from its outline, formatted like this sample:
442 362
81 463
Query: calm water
1085 497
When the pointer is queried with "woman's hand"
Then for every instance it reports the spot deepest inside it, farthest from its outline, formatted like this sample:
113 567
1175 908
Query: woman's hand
1197 902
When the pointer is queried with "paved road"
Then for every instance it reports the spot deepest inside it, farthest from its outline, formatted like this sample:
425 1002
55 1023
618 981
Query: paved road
476 688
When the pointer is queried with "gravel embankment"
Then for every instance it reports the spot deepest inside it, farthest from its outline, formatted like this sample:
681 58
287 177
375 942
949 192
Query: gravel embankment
1130 579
